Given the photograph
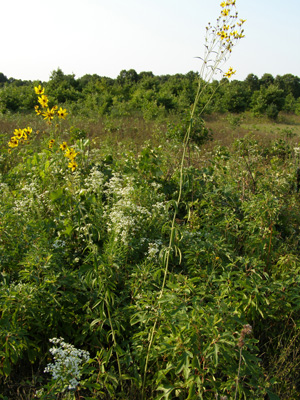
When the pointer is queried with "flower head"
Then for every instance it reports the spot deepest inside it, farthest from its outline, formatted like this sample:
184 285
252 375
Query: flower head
229 73
18 133
73 165
13 142
62 113
49 115
70 153
51 143
37 110
39 90
43 100
27 131
63 146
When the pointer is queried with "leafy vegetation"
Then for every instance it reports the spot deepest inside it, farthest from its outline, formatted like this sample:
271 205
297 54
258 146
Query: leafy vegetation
147 254
153 97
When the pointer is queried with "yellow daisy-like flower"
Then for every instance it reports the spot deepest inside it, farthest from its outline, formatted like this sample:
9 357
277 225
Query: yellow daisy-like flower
13 142
51 143
62 113
73 165
37 110
225 12
27 131
223 35
70 153
223 4
48 115
229 73
43 100
18 133
63 146
39 90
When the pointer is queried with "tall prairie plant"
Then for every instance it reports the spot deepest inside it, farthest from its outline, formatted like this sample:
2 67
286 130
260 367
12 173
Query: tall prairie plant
220 40
21 136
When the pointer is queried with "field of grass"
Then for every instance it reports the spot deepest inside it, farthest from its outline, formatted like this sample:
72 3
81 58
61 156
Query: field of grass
206 308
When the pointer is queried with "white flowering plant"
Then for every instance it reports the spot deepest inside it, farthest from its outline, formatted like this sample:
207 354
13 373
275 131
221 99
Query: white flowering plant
67 368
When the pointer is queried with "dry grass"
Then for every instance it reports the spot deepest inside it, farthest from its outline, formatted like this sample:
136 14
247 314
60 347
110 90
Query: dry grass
132 132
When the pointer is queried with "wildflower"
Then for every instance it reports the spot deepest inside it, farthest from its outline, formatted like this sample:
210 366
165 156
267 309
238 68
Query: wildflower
70 153
223 35
225 12
229 73
37 110
66 368
223 4
18 133
49 114
13 142
43 100
63 146
51 143
24 137
27 131
73 165
39 90
62 113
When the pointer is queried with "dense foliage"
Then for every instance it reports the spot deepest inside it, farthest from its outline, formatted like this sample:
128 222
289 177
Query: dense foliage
155 96
82 258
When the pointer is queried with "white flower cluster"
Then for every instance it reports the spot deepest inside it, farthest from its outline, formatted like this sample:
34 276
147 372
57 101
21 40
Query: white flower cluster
126 218
67 363
154 249
32 199
94 182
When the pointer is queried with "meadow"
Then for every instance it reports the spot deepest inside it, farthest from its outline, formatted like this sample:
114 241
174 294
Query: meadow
149 233
82 258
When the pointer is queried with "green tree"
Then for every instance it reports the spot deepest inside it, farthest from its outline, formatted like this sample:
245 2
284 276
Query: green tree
268 100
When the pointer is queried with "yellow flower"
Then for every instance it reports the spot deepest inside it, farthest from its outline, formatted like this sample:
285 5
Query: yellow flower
39 90
18 133
62 113
72 164
63 146
43 100
70 153
223 35
49 114
225 12
24 135
13 142
223 4
229 73
51 143
27 131
37 110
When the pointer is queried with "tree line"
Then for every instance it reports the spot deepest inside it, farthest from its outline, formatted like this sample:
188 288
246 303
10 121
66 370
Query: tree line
154 96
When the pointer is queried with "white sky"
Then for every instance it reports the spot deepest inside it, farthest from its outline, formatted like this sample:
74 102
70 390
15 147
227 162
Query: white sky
163 36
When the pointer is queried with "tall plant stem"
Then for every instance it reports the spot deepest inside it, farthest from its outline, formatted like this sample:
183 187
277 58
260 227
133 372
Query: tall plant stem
238 375
201 87
115 342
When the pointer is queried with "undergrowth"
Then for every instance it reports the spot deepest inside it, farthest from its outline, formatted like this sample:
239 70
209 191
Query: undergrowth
140 272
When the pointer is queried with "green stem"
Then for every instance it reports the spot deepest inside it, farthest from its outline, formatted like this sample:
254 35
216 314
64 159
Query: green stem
115 342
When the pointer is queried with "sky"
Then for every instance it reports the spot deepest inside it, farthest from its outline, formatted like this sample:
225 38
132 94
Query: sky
104 37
